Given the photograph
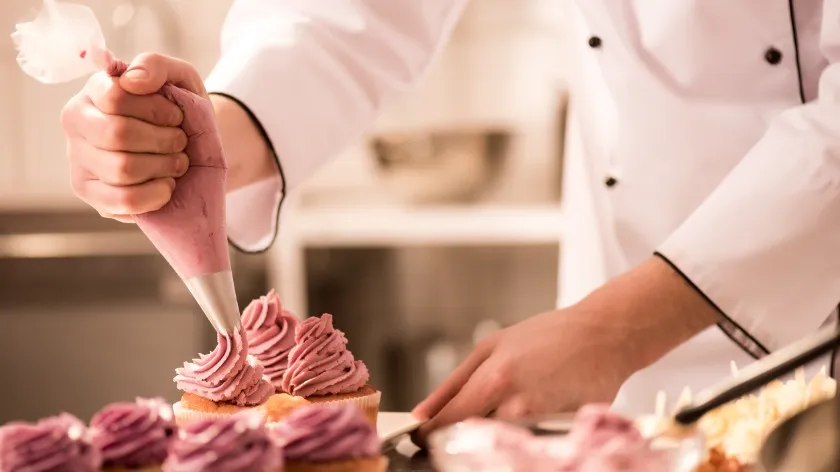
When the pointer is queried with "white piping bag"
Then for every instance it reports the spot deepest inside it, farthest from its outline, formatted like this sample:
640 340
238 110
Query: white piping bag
64 43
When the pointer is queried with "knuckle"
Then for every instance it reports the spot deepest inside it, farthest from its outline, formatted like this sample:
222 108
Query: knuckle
73 155
519 407
78 187
178 141
114 101
122 169
69 113
116 133
486 344
150 59
501 377
126 201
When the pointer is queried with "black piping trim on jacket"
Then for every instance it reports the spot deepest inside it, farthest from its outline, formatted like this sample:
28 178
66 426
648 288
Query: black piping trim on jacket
792 12
264 134
762 351
833 364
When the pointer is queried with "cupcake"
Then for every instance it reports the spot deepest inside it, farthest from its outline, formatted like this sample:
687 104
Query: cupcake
329 438
133 436
235 443
322 370
56 444
222 382
270 331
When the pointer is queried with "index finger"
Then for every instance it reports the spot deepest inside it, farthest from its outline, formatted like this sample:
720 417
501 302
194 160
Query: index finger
447 390
475 398
148 72
107 96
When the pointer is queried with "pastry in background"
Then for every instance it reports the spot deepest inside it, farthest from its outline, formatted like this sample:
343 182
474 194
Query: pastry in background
226 444
329 438
221 383
55 444
133 436
736 431
322 369
270 331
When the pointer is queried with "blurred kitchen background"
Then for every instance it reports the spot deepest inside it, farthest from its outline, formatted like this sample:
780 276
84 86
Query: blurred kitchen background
446 223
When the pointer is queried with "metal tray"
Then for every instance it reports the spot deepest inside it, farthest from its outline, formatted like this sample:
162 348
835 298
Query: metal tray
809 441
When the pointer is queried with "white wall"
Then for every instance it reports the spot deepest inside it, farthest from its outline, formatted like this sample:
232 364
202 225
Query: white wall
502 67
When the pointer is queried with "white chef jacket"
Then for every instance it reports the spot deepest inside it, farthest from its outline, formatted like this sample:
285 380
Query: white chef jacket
710 130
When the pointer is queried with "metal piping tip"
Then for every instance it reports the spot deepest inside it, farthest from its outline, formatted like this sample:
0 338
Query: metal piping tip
216 296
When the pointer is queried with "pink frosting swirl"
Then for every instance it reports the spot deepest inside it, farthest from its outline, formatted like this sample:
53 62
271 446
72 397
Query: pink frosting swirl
320 363
235 443
55 444
325 433
133 435
227 374
271 335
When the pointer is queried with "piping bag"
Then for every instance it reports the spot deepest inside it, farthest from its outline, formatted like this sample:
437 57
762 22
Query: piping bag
65 42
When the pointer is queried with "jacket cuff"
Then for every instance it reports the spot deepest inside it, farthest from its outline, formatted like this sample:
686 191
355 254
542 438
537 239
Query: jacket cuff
748 340
253 214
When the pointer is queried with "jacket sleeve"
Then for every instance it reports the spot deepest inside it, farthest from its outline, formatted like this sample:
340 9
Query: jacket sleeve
764 248
314 75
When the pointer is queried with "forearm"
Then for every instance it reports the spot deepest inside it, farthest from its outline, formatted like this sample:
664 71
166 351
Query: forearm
248 154
649 310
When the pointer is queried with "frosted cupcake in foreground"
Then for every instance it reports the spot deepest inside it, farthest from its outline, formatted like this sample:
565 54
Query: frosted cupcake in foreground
270 331
133 436
329 438
222 382
56 444
229 444
322 370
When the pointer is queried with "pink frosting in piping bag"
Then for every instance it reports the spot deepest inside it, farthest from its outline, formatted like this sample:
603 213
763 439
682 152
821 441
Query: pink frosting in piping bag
190 229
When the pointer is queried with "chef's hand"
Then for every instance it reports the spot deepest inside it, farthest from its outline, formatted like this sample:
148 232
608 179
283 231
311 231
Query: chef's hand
123 139
552 362
560 360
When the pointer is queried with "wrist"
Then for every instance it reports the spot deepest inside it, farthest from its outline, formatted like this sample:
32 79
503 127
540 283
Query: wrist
248 153
652 310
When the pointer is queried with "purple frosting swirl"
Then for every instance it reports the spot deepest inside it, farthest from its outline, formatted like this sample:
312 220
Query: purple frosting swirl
271 335
325 433
237 442
320 363
55 444
133 435
228 374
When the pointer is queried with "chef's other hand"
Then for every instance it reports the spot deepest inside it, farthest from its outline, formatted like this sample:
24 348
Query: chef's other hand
553 362
123 139
560 360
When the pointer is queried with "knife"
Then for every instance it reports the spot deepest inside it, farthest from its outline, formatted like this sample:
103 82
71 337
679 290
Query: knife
390 440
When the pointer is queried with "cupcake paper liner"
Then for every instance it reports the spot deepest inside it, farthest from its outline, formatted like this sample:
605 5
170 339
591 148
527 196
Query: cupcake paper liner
369 404
185 415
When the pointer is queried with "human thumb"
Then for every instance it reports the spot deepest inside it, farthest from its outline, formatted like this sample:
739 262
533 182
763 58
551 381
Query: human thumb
148 72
